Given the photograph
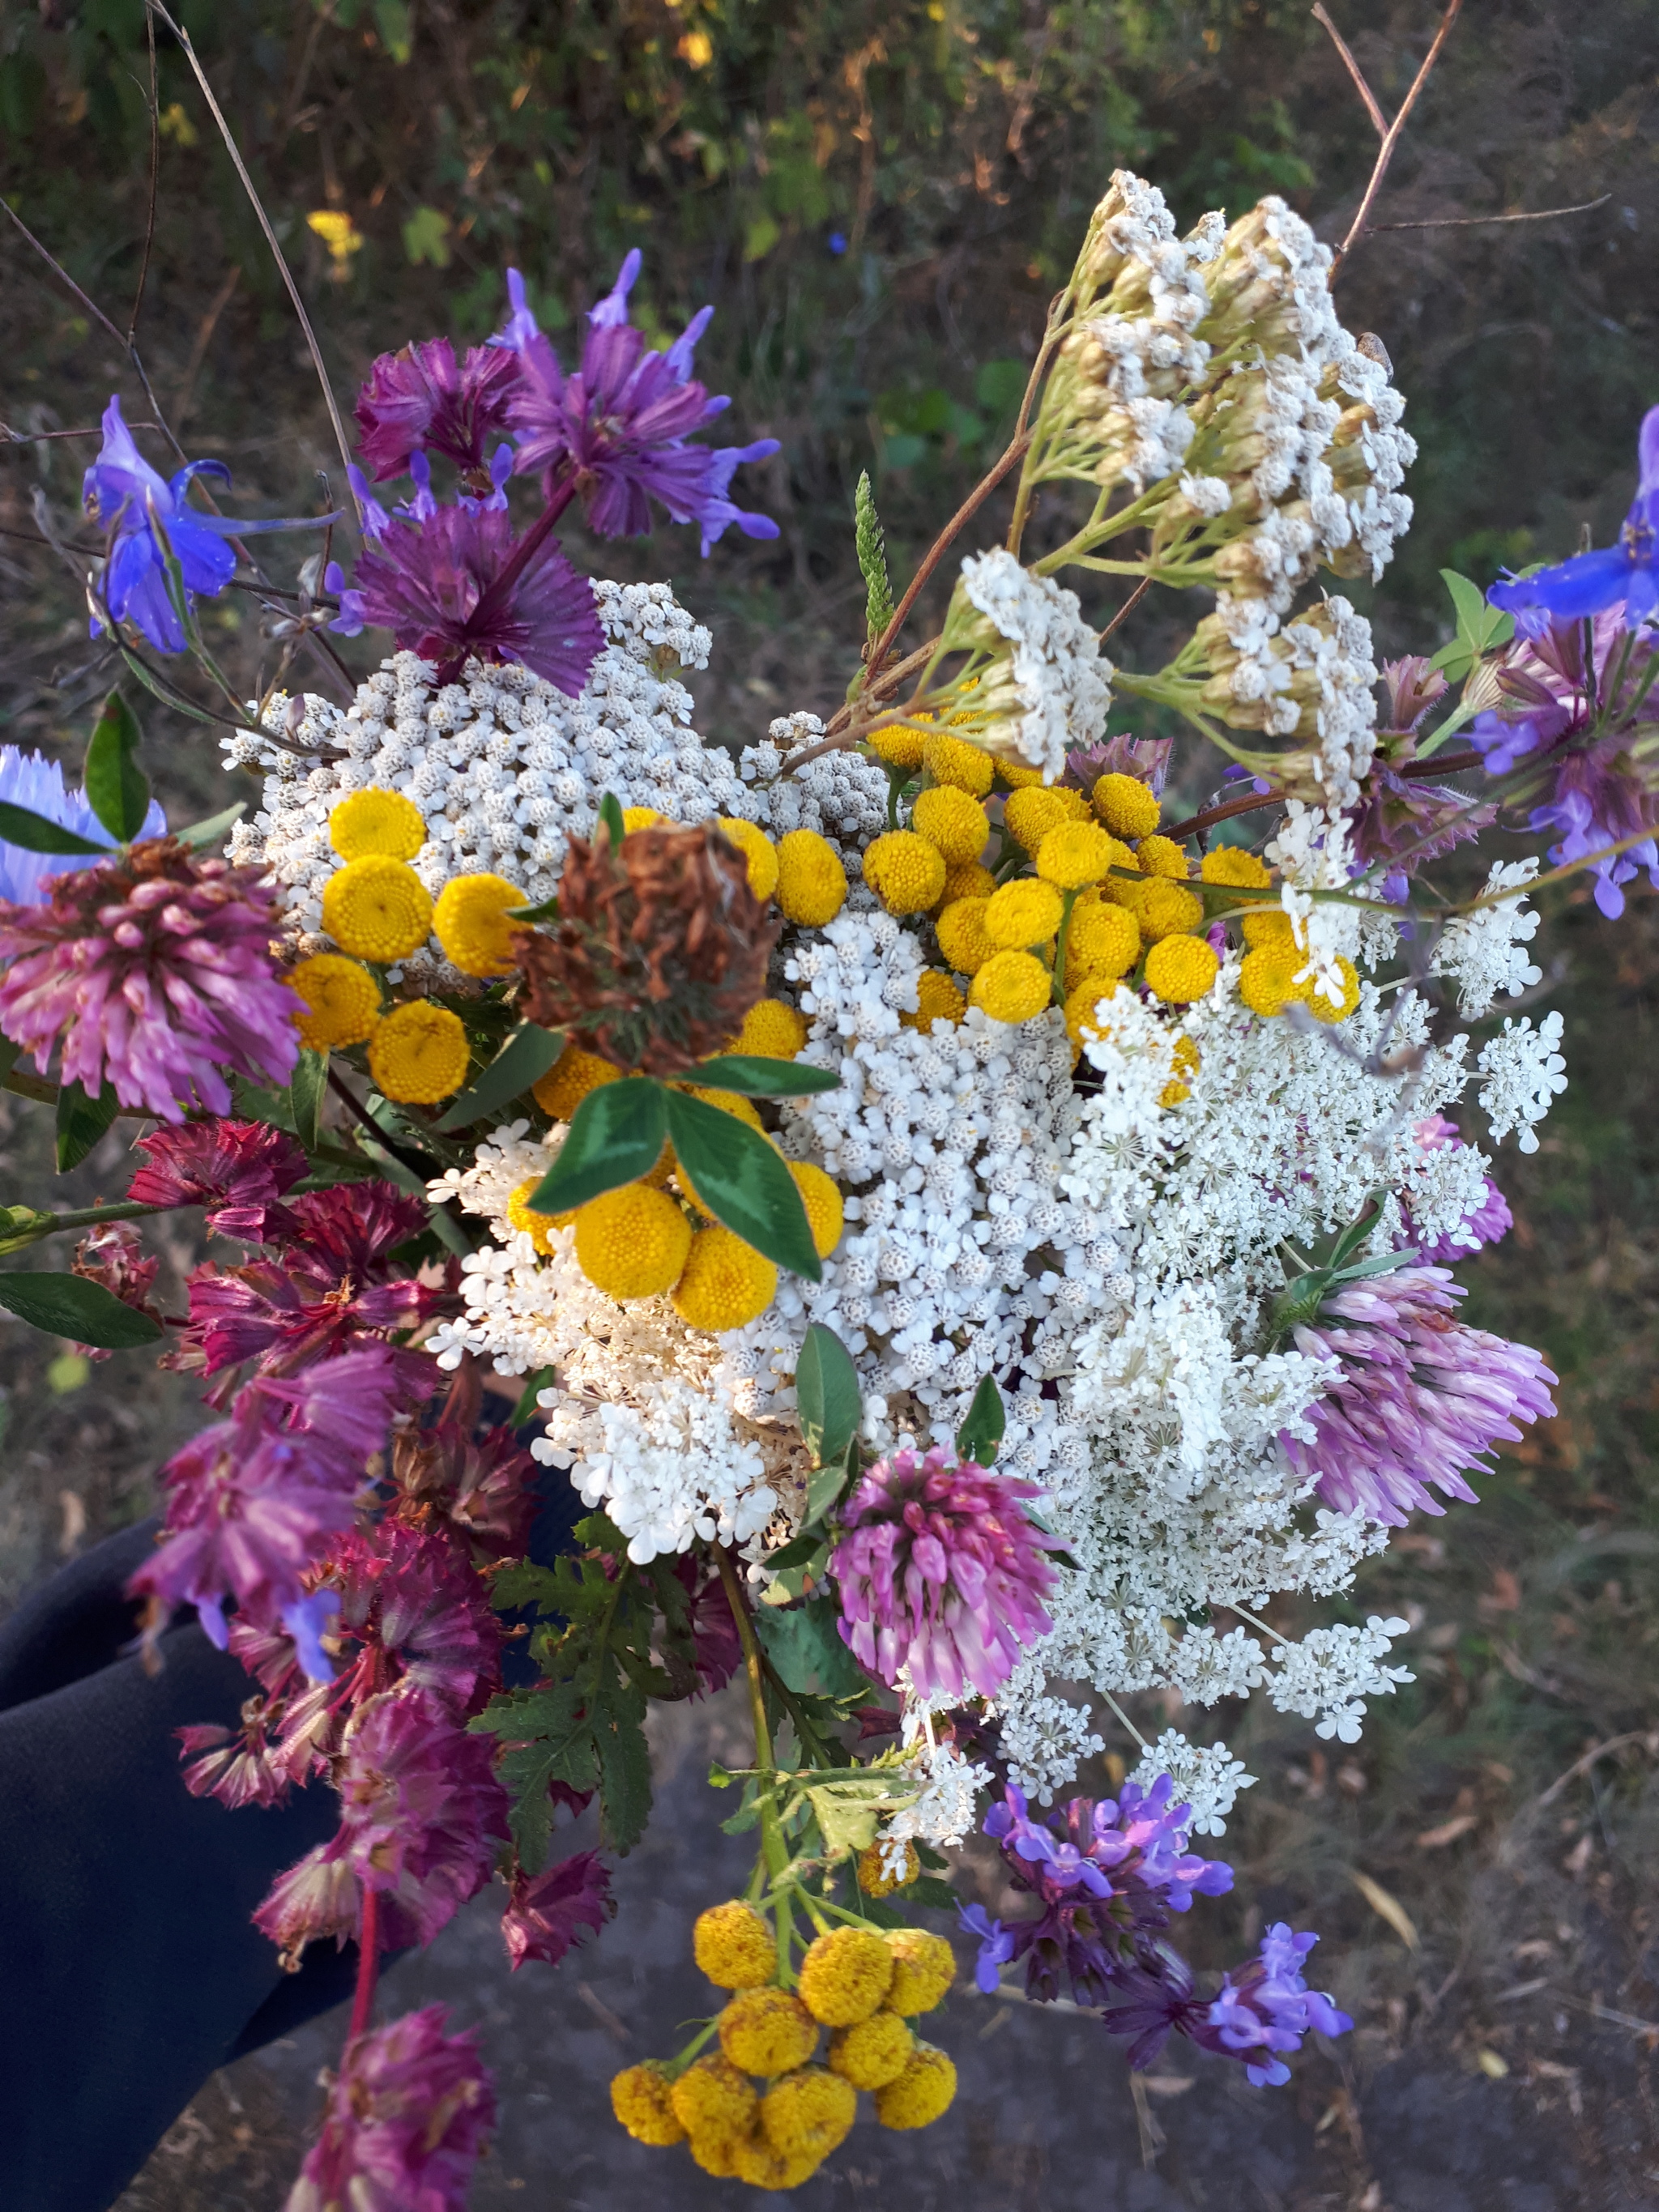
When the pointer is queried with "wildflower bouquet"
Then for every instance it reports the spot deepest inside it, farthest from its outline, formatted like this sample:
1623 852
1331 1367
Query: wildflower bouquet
971 1242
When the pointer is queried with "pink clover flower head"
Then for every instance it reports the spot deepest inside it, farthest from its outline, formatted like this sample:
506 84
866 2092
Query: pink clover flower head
547 1915
252 1501
455 585
154 973
941 1572
421 399
405 2123
1421 1398
32 781
417 1611
334 1286
238 1170
1624 576
617 429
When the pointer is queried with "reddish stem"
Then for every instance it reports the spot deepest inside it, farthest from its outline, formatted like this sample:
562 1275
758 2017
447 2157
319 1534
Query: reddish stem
369 1965
531 543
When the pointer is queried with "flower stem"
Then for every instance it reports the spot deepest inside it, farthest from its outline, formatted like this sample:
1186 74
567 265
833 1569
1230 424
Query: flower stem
369 1965
772 1842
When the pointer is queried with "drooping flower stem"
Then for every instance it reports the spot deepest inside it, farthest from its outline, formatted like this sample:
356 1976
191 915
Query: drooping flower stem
369 1965
773 1845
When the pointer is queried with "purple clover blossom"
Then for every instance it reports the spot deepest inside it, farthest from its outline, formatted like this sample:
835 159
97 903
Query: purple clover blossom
405 2123
1618 576
455 585
616 429
421 399
1110 1872
148 516
1421 1398
32 781
941 1572
1570 715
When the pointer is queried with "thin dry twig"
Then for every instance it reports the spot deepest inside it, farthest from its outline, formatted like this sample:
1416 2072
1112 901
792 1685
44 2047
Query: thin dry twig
1391 137
1474 221
154 182
1353 69
1582 1766
258 205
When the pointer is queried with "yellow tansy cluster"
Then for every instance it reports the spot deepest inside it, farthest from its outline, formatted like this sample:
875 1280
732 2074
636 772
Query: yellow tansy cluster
645 1240
765 2109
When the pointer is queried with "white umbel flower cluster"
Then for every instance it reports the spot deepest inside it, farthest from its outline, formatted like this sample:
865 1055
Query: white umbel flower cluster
1047 690
1484 951
1521 1073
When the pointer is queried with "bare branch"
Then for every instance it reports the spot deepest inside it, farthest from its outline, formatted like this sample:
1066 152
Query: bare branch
1391 138
1471 221
1353 69
154 182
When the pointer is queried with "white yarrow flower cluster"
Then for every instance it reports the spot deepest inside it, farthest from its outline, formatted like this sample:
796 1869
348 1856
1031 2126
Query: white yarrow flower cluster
1049 689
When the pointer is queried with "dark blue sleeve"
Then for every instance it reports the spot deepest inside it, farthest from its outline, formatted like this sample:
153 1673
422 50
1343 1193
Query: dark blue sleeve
130 1968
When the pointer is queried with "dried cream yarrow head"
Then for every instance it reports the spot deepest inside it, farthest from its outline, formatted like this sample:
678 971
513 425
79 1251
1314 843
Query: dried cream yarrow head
1310 678
1043 686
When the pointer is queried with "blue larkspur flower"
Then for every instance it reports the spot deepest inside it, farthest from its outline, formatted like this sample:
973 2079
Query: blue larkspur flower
996 1946
1612 575
143 511
32 781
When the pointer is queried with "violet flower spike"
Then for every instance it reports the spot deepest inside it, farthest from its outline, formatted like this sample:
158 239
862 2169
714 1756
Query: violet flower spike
146 516
617 429
452 588
1616 575
421 400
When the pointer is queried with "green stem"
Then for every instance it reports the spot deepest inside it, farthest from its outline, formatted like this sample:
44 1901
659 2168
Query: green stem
1068 903
772 1842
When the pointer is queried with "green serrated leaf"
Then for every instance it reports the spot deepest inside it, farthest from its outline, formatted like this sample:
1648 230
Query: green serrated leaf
117 787
75 1307
210 831
982 1433
21 825
610 819
828 1402
616 1136
523 1060
625 1774
935 1895
753 1076
80 1122
806 1649
307 1091
739 1178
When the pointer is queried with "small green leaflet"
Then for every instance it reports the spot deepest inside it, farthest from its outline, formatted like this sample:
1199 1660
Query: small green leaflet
307 1089
210 831
21 1225
1480 628
847 1811
616 1136
806 1652
754 1077
544 910
828 1398
117 787
981 1434
738 1176
21 825
527 1407
610 817
523 1060
80 1122
73 1306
